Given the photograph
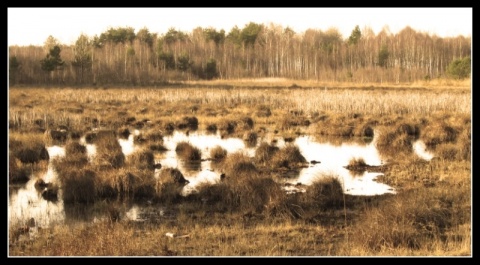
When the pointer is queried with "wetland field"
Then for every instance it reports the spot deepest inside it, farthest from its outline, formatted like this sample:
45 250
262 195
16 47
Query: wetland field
270 167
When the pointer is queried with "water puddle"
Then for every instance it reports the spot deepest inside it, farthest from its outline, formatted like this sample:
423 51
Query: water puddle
325 160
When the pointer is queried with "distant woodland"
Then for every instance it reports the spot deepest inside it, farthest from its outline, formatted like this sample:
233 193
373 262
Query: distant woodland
124 56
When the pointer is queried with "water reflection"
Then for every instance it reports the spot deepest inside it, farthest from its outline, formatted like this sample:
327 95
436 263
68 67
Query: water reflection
27 203
421 150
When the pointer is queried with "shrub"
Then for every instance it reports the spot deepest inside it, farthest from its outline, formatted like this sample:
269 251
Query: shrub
460 68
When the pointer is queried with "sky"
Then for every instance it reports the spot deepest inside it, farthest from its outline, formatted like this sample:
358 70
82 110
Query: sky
32 26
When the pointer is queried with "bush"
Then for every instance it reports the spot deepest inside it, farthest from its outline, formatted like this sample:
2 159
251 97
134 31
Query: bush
460 68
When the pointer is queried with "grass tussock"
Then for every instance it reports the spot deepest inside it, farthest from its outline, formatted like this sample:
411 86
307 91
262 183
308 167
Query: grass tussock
73 148
288 157
263 111
357 165
259 195
154 136
238 166
56 136
246 123
124 133
211 128
436 134
250 139
290 121
187 151
218 153
325 193
397 141
265 152
17 171
28 148
78 185
227 127
142 159
187 122
109 152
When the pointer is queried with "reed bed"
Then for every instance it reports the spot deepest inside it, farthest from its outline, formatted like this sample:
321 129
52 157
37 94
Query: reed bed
97 104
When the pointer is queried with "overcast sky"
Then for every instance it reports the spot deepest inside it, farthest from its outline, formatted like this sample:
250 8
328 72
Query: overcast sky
32 26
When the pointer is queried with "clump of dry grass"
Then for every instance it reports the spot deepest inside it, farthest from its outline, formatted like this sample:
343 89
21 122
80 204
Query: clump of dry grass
169 128
142 159
124 133
75 148
325 193
187 151
289 156
227 127
56 137
109 152
261 195
28 148
436 134
173 175
292 120
250 139
154 136
265 152
238 166
367 129
17 171
218 153
78 185
26 153
187 123
464 142
219 197
397 140
263 111
356 162
211 128
245 123
169 185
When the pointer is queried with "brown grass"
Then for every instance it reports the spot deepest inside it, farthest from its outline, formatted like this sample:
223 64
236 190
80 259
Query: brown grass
187 151
78 185
248 214
238 166
288 157
109 152
218 153
265 152
250 139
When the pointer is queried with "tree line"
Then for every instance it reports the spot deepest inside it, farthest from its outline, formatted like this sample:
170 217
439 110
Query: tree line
122 56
